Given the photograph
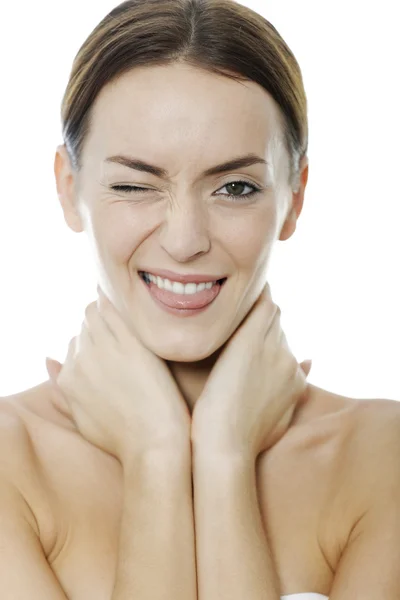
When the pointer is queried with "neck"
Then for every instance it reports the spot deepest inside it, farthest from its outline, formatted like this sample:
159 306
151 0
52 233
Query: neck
191 377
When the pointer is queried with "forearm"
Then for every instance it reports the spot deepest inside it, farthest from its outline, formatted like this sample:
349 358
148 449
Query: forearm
233 557
156 559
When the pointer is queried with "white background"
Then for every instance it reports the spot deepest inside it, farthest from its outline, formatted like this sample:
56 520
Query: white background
336 279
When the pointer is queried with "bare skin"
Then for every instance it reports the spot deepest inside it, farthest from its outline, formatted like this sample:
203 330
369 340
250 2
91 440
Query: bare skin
77 499
185 121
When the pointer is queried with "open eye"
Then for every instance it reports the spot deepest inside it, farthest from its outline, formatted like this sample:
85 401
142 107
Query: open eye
240 184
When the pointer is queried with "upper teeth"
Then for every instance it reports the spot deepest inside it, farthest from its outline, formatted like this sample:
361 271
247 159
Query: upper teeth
177 287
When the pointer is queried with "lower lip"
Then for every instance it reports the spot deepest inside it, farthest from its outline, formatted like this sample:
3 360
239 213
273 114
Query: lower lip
173 303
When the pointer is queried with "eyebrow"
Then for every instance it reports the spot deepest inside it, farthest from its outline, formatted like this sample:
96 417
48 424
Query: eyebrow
231 165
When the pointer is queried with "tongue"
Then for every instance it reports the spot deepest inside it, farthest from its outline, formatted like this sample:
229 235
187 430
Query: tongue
185 301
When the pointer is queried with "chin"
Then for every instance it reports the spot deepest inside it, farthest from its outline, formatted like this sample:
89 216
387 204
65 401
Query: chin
184 352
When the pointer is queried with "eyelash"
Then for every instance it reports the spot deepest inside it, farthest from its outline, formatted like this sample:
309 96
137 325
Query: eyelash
136 189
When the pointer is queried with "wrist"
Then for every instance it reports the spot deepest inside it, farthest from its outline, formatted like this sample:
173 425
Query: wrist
217 469
166 456
219 451
210 441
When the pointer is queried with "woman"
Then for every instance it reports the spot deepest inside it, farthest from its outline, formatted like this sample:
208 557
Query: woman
179 451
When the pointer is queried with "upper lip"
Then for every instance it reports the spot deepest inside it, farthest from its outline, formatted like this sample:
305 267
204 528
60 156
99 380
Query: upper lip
188 278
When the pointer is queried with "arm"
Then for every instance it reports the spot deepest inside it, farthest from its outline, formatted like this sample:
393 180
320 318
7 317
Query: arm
233 557
23 565
157 548
24 569
369 567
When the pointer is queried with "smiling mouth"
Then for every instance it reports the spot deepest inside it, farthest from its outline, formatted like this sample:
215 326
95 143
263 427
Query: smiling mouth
182 300
146 279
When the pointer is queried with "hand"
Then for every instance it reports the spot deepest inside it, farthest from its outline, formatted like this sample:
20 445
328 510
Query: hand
250 396
120 395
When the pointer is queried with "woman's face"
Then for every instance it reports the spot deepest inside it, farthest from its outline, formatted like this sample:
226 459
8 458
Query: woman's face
185 121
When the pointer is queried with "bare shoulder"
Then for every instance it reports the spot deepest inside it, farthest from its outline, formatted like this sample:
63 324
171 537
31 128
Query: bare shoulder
365 454
16 451
377 422
61 462
17 462
372 455
25 419
369 451
319 479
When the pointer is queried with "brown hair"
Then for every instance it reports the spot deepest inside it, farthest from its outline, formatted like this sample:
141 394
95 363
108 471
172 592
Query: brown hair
220 36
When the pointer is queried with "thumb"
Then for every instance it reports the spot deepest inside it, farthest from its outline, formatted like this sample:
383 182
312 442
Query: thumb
53 368
306 366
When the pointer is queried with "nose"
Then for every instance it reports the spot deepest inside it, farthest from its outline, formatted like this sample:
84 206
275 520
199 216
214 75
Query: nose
185 231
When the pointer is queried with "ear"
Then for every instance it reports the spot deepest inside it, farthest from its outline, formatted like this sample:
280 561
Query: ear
289 227
66 189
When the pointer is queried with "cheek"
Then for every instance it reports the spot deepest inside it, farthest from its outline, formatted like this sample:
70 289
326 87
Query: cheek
116 233
250 237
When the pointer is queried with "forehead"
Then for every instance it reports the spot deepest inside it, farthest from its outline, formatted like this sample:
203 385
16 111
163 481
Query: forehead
178 106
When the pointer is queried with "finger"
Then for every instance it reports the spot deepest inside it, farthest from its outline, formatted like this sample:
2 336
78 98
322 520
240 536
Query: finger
53 368
72 349
93 335
57 371
96 324
264 299
306 366
275 346
112 317
271 326
78 359
267 311
251 323
298 382
266 295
